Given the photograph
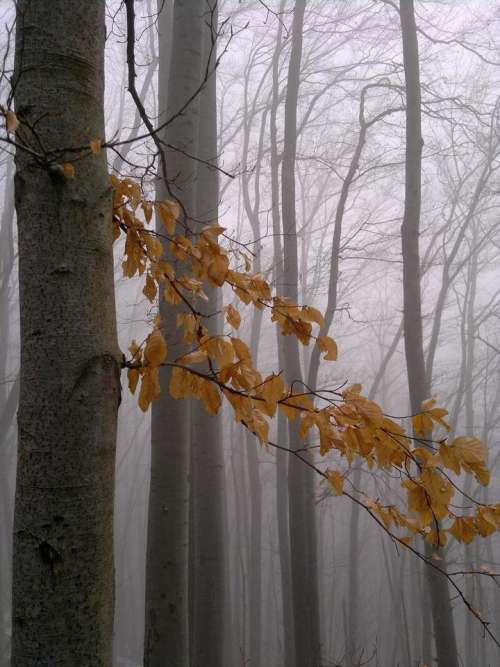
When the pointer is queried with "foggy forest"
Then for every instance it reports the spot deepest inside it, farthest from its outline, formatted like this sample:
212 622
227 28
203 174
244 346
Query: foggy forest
250 327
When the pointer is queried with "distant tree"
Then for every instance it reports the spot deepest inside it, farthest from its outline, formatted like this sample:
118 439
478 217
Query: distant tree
418 383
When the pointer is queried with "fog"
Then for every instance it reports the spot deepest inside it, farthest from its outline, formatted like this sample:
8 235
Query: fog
307 165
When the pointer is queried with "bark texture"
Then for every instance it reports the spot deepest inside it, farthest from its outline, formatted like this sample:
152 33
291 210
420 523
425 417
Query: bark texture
419 389
207 590
305 601
166 639
70 365
282 432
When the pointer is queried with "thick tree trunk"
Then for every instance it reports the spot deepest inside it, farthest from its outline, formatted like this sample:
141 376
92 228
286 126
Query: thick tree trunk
419 389
70 363
305 601
207 590
9 395
166 615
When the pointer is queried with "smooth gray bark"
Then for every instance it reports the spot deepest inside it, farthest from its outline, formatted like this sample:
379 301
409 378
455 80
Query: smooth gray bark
419 389
354 645
469 316
166 616
207 589
282 431
70 364
305 602
251 443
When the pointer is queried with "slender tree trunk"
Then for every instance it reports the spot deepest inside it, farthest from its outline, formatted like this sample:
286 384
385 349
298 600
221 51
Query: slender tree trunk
70 363
300 480
166 616
444 631
252 210
255 490
469 312
331 305
237 591
282 433
255 556
353 578
352 631
207 591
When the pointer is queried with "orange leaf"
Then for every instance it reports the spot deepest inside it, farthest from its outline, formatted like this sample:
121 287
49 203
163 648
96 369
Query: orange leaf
336 480
95 146
69 170
155 351
328 345
11 121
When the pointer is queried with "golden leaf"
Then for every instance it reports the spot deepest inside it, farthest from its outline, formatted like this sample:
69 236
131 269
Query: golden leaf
11 121
422 424
133 378
271 391
150 388
154 246
418 502
180 383
220 350
210 396
469 450
211 232
150 290
155 351
217 270
439 490
336 480
242 406
471 454
449 459
168 211
233 317
195 357
312 315
438 538
134 350
294 404
487 522
170 295
95 146
189 323
241 349
147 208
259 425
463 529
328 345
69 170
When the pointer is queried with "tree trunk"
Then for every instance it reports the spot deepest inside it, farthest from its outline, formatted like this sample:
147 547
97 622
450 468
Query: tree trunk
9 394
166 615
207 590
444 631
305 601
70 363
469 316
282 432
